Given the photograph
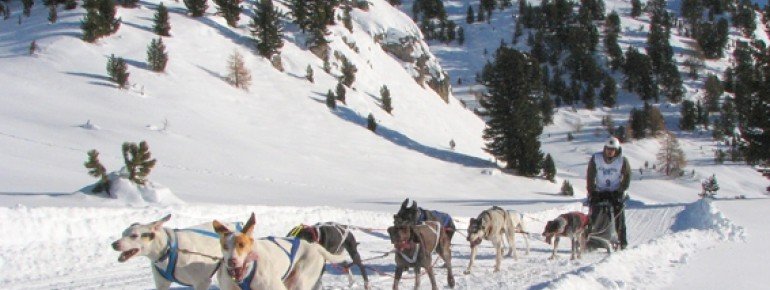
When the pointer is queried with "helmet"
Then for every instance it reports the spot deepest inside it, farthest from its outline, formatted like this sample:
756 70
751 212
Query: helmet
612 143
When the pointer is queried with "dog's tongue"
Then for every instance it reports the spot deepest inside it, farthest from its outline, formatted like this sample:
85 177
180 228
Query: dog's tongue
126 255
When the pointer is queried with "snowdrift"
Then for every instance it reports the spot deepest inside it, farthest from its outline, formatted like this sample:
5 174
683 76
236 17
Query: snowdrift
648 266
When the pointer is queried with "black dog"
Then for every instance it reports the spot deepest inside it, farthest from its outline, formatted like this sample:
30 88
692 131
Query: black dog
414 245
414 216
334 238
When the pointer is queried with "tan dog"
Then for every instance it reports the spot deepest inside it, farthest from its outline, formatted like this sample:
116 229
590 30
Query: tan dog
572 225
492 225
186 256
270 263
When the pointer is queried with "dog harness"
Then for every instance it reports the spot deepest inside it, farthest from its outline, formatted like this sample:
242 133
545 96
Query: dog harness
443 217
292 253
342 230
172 253
436 231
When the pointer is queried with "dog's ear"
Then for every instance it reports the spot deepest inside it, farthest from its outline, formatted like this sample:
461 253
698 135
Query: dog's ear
158 225
221 229
414 205
405 203
249 227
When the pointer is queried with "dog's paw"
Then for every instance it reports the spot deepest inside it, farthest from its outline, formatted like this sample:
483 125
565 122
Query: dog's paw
467 272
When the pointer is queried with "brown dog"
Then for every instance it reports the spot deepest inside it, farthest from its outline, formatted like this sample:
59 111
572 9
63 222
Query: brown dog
572 225
414 245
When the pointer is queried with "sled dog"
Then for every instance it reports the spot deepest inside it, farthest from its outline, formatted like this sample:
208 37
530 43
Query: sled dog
414 245
572 225
495 224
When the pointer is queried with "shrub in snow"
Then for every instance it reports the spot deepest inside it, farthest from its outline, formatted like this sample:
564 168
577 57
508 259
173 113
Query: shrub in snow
156 55
566 189
237 73
230 10
138 161
341 91
371 123
118 71
549 168
348 72
161 25
386 101
331 102
33 48
96 169
196 7
52 14
309 74
710 186
99 20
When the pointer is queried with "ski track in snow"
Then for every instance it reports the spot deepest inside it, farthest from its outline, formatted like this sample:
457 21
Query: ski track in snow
76 253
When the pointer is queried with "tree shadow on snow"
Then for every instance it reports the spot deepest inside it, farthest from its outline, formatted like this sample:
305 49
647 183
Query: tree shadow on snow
404 141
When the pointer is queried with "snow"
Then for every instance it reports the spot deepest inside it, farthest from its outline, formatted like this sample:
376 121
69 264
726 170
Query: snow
277 151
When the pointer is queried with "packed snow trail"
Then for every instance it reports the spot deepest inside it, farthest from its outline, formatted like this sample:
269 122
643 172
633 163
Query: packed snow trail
75 253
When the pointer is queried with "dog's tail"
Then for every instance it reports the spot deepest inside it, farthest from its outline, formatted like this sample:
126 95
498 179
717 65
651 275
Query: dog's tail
332 258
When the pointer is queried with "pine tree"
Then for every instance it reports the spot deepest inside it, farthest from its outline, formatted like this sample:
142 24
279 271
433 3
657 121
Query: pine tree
52 14
117 70
299 9
161 25
348 72
480 15
331 101
347 20
230 10
671 159
469 15
266 29
636 8
27 7
237 73
70 4
371 123
309 74
689 116
156 55
513 122
614 52
385 97
546 108
99 20
609 93
33 47
138 161
96 169
549 168
460 35
714 91
589 98
566 188
655 121
196 7
341 91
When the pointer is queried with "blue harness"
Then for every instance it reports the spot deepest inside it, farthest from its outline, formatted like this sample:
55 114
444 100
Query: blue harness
172 254
444 218
292 253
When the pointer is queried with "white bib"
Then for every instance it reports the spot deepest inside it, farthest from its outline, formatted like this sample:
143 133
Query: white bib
608 175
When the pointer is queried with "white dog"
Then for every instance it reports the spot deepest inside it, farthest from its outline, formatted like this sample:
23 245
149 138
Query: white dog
270 263
493 225
185 256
